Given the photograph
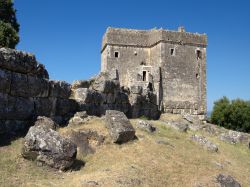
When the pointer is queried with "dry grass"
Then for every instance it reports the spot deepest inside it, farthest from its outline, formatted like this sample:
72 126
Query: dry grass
143 162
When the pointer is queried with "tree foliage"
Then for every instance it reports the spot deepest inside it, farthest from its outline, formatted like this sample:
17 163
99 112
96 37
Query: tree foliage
9 26
233 114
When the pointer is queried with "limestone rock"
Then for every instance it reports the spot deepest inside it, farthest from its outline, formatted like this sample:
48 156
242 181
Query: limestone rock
205 143
227 181
17 61
81 84
136 89
119 127
104 84
16 108
146 126
46 122
41 72
46 146
60 89
234 137
5 77
178 125
78 118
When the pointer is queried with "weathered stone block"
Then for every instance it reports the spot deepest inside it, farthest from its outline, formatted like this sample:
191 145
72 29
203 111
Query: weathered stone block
119 127
59 89
81 84
45 106
38 87
16 108
13 126
46 146
5 81
17 61
65 107
19 85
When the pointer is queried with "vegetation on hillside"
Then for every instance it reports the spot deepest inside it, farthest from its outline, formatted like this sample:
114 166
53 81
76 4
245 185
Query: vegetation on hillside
9 26
233 114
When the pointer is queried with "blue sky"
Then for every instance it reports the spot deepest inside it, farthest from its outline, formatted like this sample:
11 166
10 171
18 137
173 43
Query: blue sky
66 35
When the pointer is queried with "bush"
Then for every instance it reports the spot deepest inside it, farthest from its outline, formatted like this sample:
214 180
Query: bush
8 35
233 114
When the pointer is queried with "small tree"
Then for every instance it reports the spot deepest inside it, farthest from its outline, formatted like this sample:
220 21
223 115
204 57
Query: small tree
233 114
9 26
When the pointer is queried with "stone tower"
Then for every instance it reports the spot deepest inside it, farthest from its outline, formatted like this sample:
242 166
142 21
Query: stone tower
170 63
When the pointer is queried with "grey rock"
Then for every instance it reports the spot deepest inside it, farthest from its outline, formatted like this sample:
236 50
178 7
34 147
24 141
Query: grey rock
104 84
46 122
84 95
45 106
16 108
38 87
19 85
5 77
46 146
227 181
41 72
60 89
13 126
78 118
65 107
17 61
178 125
205 143
81 84
119 127
146 126
234 137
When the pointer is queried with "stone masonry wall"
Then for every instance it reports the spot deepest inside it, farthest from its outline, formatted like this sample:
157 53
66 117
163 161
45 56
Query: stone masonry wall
27 92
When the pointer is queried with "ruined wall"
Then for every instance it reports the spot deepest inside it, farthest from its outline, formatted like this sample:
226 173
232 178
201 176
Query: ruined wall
27 92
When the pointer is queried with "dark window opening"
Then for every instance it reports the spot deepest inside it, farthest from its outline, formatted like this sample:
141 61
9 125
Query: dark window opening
116 54
144 73
172 52
198 54
197 76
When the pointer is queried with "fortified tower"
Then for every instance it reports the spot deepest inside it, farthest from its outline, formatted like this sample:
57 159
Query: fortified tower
172 64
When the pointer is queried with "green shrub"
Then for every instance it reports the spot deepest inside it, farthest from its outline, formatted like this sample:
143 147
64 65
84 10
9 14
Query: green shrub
233 114
8 35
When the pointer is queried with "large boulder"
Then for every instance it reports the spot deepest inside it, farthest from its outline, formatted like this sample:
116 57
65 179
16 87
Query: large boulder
45 146
81 84
78 118
5 77
210 146
119 127
227 181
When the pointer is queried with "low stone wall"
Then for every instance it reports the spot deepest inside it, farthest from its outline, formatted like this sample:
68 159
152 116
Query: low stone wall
26 92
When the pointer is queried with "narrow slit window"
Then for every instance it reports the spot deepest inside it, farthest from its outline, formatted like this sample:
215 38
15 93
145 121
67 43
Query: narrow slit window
198 54
172 51
116 54
144 74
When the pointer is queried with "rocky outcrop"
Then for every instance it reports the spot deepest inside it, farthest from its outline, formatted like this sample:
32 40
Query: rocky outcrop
227 181
26 91
203 141
78 118
46 122
45 146
119 127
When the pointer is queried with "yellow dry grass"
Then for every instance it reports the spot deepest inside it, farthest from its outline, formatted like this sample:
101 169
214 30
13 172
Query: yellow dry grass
176 162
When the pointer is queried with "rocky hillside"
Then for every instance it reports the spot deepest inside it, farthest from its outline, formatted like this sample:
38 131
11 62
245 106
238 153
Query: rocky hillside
171 151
